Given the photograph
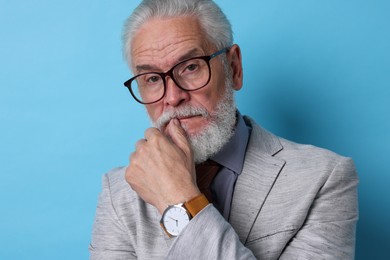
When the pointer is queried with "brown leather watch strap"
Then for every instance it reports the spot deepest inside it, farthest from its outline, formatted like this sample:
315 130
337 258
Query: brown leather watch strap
196 204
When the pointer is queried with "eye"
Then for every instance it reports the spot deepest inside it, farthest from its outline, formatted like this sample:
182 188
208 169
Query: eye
192 67
152 79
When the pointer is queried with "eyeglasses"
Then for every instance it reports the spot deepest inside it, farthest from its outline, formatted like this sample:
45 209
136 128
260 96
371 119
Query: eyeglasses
189 75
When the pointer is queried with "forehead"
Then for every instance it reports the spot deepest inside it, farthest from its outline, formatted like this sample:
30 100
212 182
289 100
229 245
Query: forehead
162 42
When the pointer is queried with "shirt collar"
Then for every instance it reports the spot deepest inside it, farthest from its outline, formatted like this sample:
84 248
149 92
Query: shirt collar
233 153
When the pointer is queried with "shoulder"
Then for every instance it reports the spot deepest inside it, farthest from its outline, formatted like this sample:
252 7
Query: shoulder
309 153
126 202
298 157
115 184
116 175
115 178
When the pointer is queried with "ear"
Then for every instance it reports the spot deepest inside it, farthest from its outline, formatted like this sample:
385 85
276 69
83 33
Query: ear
235 63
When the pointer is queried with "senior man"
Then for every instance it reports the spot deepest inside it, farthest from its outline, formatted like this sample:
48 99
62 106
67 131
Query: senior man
206 182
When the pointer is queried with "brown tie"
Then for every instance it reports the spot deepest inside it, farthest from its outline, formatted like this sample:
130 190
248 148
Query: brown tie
205 173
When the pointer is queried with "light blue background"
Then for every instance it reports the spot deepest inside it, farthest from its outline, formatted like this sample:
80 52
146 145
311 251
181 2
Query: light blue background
315 72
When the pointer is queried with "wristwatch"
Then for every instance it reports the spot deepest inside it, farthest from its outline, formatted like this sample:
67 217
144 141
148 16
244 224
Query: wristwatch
176 217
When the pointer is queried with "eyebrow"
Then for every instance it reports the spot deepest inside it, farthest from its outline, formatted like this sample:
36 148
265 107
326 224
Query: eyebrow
146 67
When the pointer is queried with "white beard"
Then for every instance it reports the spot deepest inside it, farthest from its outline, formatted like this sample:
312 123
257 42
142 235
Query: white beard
216 134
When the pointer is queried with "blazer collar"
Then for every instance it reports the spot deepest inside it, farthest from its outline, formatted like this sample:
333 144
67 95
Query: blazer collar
253 185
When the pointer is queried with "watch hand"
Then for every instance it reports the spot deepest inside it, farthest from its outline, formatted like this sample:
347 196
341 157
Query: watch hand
177 221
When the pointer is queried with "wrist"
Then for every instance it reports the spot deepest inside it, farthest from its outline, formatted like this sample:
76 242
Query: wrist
176 217
180 197
196 204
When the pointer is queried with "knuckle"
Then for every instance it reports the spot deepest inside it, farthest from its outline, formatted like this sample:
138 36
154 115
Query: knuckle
138 144
152 133
129 175
142 150
132 157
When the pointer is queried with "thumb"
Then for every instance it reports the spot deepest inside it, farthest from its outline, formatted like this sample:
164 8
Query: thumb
179 137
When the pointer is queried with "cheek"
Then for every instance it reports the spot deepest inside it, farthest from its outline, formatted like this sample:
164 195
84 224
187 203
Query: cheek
213 97
216 90
154 111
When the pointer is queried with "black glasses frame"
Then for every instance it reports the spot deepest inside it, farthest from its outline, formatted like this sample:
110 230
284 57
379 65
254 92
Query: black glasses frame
169 73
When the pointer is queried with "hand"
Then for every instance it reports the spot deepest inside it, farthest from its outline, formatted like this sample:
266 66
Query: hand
161 169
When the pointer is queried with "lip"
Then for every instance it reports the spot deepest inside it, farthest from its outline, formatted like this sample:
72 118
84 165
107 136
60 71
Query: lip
185 117
182 119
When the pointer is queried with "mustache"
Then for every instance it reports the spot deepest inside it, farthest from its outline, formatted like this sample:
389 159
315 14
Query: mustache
181 112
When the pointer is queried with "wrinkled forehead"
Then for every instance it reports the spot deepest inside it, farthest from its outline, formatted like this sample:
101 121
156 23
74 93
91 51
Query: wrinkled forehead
163 42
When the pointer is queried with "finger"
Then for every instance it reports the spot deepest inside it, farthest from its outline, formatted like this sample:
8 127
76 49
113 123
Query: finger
178 136
151 133
139 144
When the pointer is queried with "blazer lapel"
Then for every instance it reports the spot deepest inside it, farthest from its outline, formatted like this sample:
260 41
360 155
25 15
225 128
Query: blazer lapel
253 185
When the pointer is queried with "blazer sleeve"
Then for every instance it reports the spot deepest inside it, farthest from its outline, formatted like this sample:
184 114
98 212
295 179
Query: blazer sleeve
329 229
110 239
327 233
208 236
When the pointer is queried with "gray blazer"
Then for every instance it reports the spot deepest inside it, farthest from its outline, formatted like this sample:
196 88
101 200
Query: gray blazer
291 201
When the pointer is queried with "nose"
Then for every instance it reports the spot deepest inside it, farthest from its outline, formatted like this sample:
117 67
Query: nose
174 95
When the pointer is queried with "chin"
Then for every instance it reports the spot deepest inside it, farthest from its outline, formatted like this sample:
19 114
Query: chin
194 130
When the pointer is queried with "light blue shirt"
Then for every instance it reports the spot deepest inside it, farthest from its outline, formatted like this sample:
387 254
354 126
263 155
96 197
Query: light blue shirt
231 158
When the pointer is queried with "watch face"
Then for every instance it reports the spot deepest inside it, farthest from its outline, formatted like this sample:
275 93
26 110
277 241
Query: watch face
175 218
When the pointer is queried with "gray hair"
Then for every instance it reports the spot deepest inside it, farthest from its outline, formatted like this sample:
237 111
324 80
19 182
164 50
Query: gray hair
212 20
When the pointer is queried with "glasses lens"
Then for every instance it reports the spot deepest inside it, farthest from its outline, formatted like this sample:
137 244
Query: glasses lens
192 74
148 87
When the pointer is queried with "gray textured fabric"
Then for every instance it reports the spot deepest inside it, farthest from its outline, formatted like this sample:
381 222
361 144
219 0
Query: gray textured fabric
291 201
